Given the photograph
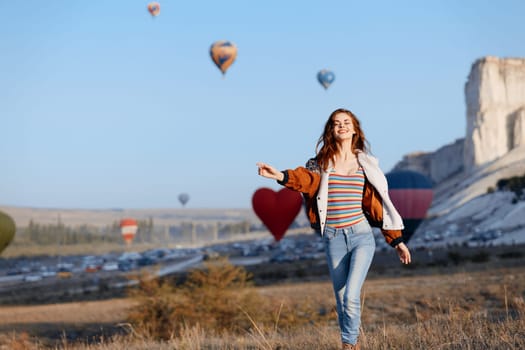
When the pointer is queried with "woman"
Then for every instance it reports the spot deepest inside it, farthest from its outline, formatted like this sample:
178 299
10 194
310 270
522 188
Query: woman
346 193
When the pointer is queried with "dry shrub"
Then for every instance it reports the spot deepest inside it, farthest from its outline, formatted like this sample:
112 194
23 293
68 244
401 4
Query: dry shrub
219 298
19 341
216 298
152 315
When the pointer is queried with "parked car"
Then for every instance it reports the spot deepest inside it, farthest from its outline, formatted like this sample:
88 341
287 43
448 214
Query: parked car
92 268
146 261
125 265
110 266
32 278
64 272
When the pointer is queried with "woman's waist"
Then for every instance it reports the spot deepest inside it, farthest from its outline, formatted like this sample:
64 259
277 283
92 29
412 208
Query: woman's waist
361 226
344 218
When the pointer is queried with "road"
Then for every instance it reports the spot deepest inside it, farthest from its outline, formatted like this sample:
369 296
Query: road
20 287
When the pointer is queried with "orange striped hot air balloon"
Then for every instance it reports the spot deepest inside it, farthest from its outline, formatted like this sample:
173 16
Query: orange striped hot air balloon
223 54
154 8
128 229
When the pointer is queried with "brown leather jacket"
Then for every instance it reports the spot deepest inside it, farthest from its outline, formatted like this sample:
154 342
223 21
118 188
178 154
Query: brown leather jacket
307 182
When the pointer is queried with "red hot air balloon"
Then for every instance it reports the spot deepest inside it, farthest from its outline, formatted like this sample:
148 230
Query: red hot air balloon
154 8
128 228
411 192
277 210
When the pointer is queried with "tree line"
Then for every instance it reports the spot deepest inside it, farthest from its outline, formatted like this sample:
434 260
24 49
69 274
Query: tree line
60 234
514 184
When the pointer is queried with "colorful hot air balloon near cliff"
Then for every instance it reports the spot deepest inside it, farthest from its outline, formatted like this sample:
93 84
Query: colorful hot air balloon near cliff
223 54
128 229
411 192
325 78
154 8
7 230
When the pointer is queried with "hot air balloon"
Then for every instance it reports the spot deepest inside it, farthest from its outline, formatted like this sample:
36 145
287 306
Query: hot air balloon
7 230
223 54
277 210
325 77
411 192
184 198
128 229
154 8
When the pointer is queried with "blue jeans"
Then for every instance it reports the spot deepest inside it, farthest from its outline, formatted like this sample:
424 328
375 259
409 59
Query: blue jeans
349 253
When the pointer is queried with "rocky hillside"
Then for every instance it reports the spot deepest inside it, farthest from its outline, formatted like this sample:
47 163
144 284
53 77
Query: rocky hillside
464 210
493 149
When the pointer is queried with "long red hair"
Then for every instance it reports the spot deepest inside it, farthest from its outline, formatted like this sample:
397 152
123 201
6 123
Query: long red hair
326 147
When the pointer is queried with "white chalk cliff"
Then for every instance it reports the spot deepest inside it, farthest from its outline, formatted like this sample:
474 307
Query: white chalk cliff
493 148
495 98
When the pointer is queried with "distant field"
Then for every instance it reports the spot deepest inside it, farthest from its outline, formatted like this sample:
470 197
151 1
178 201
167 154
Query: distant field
103 217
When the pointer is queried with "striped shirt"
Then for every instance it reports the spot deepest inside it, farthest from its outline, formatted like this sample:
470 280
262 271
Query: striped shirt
345 194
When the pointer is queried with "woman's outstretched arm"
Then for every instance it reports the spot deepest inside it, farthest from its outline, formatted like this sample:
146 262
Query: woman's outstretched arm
266 170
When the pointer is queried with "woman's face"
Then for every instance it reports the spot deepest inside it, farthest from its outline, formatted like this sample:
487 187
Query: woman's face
343 127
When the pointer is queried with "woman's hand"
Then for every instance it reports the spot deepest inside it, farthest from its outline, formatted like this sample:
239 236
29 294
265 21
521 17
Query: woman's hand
404 253
270 172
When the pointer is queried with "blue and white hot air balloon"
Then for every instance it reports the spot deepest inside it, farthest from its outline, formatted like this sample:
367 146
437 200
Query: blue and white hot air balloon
325 77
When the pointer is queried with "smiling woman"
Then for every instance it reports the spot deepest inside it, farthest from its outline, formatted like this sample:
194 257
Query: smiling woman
346 193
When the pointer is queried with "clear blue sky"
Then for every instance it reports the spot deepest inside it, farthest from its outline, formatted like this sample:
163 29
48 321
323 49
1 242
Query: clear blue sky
103 106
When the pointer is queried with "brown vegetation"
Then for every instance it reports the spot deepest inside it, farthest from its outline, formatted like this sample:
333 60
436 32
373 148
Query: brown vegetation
219 309
217 298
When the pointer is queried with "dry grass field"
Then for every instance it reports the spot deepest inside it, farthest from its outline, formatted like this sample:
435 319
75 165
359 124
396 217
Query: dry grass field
482 309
